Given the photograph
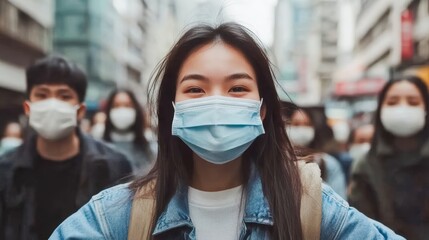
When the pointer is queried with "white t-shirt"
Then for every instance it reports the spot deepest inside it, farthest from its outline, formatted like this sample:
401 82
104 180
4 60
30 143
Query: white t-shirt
216 215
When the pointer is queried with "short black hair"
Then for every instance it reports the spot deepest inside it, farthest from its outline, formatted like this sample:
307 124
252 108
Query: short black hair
57 70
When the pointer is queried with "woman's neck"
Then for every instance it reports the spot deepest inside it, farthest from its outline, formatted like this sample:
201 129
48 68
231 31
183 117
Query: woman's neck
123 136
58 150
406 144
213 177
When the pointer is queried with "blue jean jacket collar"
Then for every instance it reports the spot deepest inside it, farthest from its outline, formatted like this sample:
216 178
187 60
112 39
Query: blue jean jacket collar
176 214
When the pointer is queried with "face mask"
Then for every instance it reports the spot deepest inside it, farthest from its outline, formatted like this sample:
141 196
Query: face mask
9 143
341 132
218 129
123 117
403 121
300 135
53 119
358 151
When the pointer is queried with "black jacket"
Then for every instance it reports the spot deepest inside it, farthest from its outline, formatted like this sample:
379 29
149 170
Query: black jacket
101 167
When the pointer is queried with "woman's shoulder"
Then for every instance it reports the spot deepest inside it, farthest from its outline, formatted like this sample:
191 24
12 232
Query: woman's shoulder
340 221
105 216
111 196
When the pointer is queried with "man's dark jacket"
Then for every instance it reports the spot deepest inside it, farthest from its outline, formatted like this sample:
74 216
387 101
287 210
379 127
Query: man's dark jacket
101 167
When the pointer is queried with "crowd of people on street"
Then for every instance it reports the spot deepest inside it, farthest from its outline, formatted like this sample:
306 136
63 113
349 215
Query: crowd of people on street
227 159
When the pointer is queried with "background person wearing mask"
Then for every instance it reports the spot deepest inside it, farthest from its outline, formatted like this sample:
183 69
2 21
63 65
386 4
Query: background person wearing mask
11 138
310 135
125 125
391 184
57 169
360 142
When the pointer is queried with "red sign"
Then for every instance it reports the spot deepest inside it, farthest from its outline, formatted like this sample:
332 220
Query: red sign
367 86
407 43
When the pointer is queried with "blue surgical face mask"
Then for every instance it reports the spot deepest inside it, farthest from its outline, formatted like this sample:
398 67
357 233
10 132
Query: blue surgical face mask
218 129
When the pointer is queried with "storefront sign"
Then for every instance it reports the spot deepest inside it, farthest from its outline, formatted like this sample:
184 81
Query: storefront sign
407 42
367 86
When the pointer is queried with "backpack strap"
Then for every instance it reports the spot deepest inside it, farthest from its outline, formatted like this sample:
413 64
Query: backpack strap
142 211
311 200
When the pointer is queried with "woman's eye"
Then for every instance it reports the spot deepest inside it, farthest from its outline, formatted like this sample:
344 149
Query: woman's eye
238 89
66 97
194 90
40 95
392 102
414 103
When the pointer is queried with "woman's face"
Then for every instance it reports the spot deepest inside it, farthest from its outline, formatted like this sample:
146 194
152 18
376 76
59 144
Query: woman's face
122 100
216 69
300 118
403 93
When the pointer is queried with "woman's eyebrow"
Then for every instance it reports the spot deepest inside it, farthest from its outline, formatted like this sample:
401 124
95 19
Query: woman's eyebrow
193 77
239 76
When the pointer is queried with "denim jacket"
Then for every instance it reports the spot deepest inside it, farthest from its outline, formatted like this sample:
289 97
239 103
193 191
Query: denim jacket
107 216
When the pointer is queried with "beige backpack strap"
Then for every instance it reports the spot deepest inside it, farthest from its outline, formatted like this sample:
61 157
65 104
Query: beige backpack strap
142 211
311 200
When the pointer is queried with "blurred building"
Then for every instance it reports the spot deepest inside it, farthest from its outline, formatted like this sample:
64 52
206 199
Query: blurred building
25 35
305 45
291 35
327 28
106 39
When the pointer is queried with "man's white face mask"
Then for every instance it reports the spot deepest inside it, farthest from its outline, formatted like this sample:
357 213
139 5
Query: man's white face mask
53 119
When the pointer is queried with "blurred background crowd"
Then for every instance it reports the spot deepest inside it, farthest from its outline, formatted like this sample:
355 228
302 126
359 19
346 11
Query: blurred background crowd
332 60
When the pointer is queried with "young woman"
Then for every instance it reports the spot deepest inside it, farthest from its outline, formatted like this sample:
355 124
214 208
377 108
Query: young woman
225 168
125 127
391 184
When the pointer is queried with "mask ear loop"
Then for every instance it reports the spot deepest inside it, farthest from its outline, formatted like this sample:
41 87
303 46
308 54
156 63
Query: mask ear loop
174 105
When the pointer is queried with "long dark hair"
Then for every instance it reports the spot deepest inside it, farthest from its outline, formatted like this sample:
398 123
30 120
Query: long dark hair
138 126
271 153
380 131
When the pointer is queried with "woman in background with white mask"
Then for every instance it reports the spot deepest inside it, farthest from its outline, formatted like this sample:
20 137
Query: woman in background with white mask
311 136
391 184
124 128
360 142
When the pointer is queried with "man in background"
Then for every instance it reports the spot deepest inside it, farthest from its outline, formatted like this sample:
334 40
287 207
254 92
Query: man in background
57 168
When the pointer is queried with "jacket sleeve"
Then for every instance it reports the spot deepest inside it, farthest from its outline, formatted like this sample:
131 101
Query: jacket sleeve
83 224
105 216
340 221
362 195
